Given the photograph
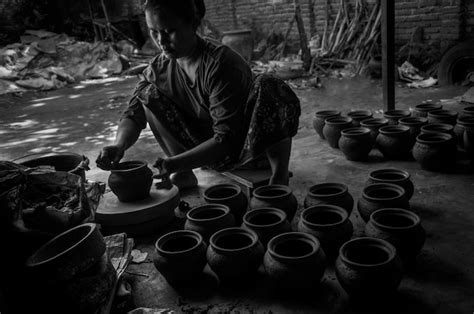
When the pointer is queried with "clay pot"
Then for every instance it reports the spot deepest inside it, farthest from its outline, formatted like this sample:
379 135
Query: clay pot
468 111
320 117
208 218
394 142
443 116
240 41
234 254
294 260
131 181
381 195
330 193
68 254
278 196
394 176
266 223
400 227
230 195
435 152
395 114
333 127
460 127
423 109
356 143
368 268
359 115
329 224
415 124
181 256
374 124
437 128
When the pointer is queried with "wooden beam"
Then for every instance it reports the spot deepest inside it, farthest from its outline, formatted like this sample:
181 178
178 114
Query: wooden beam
388 53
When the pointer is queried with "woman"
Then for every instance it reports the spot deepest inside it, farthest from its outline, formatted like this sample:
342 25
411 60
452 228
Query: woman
203 104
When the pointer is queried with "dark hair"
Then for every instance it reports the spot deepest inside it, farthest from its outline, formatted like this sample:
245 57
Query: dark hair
191 11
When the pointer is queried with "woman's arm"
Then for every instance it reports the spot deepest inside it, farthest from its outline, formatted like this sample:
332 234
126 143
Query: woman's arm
206 153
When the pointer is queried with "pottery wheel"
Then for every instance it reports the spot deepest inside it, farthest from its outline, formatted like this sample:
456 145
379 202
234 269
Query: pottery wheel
160 204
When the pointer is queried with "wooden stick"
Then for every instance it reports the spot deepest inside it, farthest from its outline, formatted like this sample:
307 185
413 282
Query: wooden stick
91 14
107 20
326 24
305 52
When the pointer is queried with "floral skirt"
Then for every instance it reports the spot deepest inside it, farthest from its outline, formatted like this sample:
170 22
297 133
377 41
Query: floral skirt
271 115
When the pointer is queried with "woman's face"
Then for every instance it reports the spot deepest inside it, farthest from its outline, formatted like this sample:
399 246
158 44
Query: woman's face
171 33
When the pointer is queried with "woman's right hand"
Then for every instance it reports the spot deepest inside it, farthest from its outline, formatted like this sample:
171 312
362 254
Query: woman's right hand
109 157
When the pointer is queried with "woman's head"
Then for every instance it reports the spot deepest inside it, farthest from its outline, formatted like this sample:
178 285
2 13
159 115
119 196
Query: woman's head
173 24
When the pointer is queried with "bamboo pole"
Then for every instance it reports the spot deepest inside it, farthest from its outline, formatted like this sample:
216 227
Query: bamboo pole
109 29
305 52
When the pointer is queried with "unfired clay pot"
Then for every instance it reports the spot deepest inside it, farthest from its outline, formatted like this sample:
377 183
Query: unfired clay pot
415 124
275 195
234 255
394 142
435 152
329 224
381 195
266 222
356 143
181 256
208 218
395 114
330 193
368 268
460 127
374 124
400 227
228 194
294 261
443 116
131 181
320 117
422 110
394 176
333 127
468 111
359 115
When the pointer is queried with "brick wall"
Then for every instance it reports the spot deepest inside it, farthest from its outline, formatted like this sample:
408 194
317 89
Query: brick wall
442 20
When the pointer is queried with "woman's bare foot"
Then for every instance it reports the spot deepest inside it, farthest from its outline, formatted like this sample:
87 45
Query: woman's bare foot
184 180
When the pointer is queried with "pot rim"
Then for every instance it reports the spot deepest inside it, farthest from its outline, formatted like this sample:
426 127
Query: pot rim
438 128
136 164
468 120
468 109
413 120
443 113
338 120
228 186
33 260
224 208
434 138
327 113
233 230
404 174
377 186
355 131
374 122
264 210
428 106
343 188
175 235
415 219
368 241
394 129
285 189
324 208
283 237
360 113
397 113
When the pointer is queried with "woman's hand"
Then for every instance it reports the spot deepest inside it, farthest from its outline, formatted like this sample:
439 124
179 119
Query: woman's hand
109 157
164 166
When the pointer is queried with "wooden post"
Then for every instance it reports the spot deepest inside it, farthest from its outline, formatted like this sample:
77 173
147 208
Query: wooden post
305 53
388 53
